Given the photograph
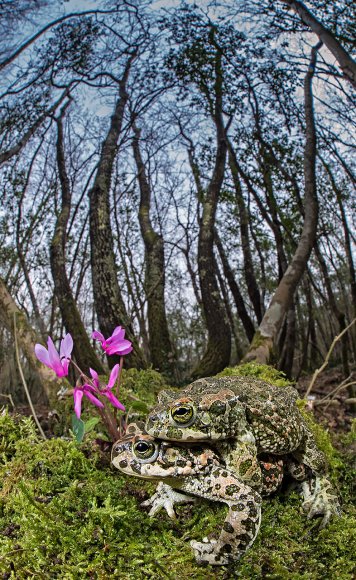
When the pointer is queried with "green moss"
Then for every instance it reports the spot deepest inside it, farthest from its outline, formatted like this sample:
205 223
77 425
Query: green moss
264 372
322 438
144 385
13 429
64 515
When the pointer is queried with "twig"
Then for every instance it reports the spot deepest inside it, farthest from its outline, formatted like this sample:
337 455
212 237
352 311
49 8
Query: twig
326 361
24 382
10 398
339 388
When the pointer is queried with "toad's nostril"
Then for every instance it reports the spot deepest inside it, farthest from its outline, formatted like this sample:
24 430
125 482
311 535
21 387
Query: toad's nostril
153 419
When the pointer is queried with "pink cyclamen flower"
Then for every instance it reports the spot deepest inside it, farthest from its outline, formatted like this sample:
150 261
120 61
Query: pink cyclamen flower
58 362
87 391
107 390
116 343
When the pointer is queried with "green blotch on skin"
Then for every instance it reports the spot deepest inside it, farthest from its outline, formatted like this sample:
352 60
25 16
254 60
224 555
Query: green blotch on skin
245 466
173 433
231 489
218 408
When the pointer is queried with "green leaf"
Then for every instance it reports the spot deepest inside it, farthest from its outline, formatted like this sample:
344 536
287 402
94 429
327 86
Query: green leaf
78 427
139 406
91 423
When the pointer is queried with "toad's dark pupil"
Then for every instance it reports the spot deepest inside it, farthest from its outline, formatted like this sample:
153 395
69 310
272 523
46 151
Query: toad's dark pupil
142 447
181 411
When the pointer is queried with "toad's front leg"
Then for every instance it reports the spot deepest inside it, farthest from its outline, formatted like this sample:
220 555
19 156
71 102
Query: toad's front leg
166 497
243 520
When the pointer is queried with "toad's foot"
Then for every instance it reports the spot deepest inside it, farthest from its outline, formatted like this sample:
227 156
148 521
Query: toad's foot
165 497
320 499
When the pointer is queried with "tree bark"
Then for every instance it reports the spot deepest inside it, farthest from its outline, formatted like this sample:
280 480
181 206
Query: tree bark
262 345
252 286
339 315
224 292
26 339
83 351
109 304
348 243
346 62
235 291
286 358
217 354
161 351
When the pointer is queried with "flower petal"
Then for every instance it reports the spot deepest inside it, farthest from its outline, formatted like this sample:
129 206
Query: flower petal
54 359
66 348
89 388
122 348
77 396
119 332
97 336
113 400
93 399
65 364
42 354
94 376
113 376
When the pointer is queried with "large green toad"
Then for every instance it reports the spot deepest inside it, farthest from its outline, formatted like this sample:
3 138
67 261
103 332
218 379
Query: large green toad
196 470
244 417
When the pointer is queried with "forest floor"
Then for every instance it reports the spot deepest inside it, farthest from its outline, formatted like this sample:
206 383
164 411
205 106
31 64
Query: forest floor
334 414
64 511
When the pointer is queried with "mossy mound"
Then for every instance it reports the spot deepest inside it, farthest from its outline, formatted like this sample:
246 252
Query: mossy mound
63 515
263 372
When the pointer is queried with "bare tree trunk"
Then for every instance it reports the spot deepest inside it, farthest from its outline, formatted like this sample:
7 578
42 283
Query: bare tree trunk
348 244
339 315
224 292
264 339
252 286
162 355
347 64
109 304
217 354
235 291
82 350
26 339
286 358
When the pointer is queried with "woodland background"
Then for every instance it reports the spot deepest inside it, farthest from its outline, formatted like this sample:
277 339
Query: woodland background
183 170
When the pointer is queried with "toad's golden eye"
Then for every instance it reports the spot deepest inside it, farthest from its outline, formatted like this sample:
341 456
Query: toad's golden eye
183 414
145 449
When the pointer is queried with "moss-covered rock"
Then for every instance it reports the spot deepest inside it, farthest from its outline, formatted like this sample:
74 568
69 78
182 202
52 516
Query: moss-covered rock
63 515
253 369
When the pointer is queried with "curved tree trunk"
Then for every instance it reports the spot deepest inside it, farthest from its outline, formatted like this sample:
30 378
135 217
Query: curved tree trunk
346 62
162 355
252 287
235 291
217 354
109 305
339 314
262 345
347 237
286 358
82 349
